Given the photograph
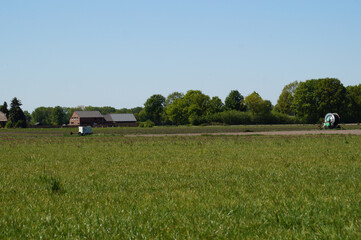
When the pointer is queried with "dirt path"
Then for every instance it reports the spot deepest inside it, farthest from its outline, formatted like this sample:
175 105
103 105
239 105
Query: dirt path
306 132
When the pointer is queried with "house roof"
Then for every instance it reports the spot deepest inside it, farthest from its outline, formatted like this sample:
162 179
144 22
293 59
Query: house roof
3 117
89 114
108 118
120 117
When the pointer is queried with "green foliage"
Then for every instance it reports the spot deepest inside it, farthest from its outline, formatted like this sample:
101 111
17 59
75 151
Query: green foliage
27 116
256 105
177 112
353 100
284 103
16 115
196 103
102 110
215 105
172 97
153 108
58 116
142 116
189 108
135 110
314 98
9 124
185 110
235 101
146 124
42 115
234 117
50 116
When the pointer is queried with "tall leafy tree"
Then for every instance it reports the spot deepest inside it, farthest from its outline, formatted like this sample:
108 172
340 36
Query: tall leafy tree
172 97
42 115
194 104
27 116
215 105
154 107
16 114
284 103
4 109
353 96
257 105
316 97
177 112
58 116
235 101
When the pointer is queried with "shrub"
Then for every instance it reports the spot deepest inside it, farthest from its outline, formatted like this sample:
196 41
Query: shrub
235 117
9 124
146 124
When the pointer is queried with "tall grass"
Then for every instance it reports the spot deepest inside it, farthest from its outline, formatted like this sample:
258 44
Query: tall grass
180 187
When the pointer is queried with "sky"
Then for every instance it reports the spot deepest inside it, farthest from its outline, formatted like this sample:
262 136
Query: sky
119 53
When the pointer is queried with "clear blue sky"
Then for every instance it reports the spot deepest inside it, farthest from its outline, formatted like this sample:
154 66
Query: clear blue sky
119 53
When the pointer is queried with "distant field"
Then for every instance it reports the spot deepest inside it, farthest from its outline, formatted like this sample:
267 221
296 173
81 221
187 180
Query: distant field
203 187
171 129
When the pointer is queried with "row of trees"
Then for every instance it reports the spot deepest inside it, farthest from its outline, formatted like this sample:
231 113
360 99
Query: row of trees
299 102
61 115
54 116
196 108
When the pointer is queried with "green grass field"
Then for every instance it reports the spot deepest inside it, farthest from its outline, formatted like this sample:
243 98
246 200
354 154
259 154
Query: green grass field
204 187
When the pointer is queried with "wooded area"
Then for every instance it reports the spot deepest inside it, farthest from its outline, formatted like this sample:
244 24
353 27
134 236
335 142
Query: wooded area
299 102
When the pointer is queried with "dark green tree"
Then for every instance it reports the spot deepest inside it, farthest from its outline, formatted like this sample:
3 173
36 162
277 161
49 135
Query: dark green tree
234 101
27 117
215 105
184 110
58 116
16 115
154 107
196 102
42 116
107 109
284 103
316 97
353 96
4 109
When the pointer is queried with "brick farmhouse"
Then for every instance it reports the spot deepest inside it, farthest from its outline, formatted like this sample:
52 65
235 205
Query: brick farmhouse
93 118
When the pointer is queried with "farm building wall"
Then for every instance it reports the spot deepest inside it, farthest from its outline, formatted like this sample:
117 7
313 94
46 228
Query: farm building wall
76 120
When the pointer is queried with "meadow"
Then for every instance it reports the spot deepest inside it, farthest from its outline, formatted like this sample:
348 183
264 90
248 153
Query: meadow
108 186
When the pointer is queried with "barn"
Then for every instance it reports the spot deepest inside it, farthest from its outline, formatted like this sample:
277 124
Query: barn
121 119
92 118
3 119
83 118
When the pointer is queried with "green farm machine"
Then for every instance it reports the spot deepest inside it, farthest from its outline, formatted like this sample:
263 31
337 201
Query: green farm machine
331 121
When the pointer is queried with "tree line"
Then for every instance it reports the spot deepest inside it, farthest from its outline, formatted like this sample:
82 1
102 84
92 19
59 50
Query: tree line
299 102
